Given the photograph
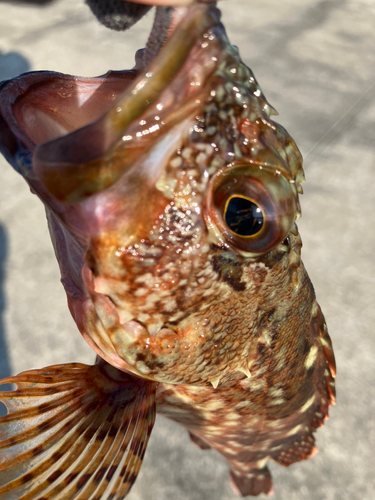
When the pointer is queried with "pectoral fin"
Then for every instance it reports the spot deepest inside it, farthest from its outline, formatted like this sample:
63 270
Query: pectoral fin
74 432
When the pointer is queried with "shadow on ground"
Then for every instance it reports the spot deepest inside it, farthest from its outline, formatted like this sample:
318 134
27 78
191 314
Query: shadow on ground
12 64
4 359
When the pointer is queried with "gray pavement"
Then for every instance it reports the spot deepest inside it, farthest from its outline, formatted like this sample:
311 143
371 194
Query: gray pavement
315 61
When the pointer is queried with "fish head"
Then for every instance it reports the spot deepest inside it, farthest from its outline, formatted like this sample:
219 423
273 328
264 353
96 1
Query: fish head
172 198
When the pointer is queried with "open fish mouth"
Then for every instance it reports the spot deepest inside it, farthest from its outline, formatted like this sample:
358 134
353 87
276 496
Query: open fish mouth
83 133
149 177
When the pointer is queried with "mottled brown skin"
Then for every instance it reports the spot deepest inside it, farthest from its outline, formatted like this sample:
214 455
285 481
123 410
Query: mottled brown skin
229 341
270 415
244 337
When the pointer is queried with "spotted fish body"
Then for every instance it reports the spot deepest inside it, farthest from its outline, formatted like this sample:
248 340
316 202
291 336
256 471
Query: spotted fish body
215 328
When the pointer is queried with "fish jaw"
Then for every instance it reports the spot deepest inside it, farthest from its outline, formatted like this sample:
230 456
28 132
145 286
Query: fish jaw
153 283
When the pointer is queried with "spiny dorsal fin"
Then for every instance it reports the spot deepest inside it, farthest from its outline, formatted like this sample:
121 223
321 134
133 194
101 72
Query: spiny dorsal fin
72 432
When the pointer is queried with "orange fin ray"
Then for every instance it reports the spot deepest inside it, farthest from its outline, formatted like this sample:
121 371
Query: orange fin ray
33 392
33 410
74 432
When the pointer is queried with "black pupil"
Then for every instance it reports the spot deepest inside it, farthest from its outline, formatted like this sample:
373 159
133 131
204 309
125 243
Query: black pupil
244 217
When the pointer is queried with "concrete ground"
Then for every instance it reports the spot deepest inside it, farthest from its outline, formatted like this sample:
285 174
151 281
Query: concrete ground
315 60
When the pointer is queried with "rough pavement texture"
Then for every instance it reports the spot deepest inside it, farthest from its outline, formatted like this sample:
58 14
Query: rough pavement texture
315 61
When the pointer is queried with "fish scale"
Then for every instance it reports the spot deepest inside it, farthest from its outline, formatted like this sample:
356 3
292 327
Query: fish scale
217 330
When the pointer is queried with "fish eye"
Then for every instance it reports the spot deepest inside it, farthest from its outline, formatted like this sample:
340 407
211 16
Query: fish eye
243 216
250 207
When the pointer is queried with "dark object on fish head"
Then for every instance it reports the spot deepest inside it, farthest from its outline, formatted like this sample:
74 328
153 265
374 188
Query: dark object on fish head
117 15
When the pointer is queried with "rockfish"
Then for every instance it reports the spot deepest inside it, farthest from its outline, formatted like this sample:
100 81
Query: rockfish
171 197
